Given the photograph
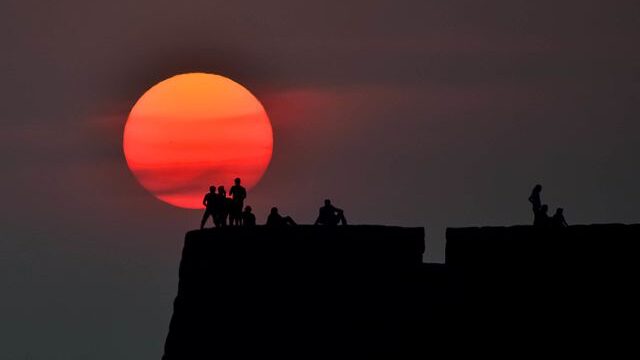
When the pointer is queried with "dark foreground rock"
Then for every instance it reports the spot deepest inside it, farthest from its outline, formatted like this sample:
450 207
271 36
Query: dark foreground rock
363 292
573 288
298 292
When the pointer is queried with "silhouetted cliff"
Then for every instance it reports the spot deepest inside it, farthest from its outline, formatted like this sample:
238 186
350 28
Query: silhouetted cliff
297 292
577 283
362 292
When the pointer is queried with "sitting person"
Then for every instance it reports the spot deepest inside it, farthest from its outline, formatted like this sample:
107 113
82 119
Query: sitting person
277 220
330 215
248 219
558 220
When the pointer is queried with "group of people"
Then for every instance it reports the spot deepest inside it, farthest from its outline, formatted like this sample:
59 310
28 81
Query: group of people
220 208
541 216
328 215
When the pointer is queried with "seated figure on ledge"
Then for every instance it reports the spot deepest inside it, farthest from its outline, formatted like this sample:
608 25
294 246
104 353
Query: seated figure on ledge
330 215
277 220
248 219
558 221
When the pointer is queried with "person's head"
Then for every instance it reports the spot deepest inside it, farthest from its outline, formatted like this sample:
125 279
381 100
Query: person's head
247 209
559 211
537 188
237 181
327 202
544 208
274 210
212 189
221 189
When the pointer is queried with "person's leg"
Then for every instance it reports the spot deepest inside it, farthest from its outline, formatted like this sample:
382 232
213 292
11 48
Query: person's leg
205 217
238 214
289 221
232 216
239 207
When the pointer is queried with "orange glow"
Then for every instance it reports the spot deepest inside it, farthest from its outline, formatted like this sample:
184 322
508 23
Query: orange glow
195 130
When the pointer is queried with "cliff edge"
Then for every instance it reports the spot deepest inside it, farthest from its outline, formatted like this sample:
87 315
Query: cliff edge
294 292
359 292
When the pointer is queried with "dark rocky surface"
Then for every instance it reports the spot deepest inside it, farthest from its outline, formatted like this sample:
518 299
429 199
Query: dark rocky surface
363 292
574 288
296 292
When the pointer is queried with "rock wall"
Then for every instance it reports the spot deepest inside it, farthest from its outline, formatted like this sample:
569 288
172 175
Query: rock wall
294 292
577 281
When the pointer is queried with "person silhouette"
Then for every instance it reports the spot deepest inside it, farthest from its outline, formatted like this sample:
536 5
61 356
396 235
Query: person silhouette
221 207
541 218
558 220
209 202
248 219
534 198
238 194
330 215
276 220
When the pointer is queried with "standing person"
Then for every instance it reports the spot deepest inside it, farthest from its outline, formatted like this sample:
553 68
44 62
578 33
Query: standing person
534 198
330 215
222 207
248 219
238 194
209 203
536 203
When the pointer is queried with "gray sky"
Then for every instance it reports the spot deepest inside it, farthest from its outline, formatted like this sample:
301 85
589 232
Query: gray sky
415 113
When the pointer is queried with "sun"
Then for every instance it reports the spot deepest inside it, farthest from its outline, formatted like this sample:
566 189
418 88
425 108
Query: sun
195 130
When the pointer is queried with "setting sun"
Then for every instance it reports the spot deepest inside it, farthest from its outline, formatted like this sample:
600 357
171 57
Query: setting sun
195 130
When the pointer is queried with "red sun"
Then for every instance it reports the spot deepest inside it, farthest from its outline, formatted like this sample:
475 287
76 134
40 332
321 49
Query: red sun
195 130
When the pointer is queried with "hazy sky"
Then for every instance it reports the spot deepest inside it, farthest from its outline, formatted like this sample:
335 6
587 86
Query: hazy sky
415 113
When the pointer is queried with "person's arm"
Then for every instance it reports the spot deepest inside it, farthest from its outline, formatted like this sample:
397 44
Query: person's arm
205 201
